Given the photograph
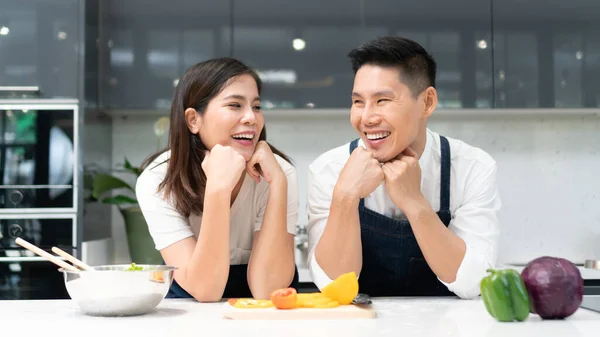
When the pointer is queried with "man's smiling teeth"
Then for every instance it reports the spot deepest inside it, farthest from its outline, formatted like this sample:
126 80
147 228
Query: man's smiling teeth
243 136
379 135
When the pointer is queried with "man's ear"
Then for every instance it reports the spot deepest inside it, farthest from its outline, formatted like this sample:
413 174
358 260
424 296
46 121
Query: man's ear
430 101
193 120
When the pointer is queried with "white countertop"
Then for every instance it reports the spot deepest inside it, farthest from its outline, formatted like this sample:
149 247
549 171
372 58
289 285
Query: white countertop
404 317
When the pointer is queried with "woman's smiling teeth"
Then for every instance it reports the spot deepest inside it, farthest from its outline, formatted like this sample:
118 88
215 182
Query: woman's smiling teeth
378 135
243 136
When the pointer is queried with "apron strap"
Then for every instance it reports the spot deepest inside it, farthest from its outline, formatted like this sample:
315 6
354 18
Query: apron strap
445 175
353 145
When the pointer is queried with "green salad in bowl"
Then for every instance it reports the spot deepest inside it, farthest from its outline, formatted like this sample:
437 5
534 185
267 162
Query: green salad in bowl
134 267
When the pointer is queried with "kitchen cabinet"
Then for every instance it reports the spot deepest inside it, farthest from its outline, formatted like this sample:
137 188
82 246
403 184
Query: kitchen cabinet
146 45
91 66
24 275
39 41
300 48
457 34
547 54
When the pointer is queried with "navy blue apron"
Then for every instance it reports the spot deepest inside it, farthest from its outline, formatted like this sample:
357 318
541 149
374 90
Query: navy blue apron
236 287
393 264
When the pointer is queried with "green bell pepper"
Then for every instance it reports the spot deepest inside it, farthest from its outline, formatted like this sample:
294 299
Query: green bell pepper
505 295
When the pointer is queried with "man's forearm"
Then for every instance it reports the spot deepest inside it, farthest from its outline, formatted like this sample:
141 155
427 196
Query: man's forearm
339 249
442 249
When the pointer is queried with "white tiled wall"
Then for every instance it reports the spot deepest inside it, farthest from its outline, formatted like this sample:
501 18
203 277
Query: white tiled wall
548 173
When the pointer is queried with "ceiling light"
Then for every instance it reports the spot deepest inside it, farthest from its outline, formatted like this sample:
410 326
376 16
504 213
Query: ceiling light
298 44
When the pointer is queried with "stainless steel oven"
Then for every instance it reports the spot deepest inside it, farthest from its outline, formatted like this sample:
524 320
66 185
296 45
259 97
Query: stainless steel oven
38 156
39 198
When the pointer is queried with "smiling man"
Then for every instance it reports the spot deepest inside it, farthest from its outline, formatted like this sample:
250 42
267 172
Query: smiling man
412 212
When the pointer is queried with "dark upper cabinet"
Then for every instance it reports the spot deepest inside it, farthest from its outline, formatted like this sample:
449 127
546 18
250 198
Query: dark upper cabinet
458 35
91 65
547 53
300 47
39 46
146 45
490 53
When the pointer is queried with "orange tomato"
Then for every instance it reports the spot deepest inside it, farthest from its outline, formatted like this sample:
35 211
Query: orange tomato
284 298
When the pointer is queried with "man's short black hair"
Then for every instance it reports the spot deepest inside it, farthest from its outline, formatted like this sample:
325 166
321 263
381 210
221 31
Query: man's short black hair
417 68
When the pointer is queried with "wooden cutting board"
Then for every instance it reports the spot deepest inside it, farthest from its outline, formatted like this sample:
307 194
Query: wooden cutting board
341 312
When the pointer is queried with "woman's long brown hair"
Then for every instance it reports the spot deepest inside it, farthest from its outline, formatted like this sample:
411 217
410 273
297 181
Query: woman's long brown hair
185 181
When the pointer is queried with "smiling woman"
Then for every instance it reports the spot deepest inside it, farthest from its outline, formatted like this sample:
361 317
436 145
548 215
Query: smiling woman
220 202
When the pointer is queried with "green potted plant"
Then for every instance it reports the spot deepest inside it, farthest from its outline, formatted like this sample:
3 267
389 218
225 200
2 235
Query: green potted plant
110 189
141 245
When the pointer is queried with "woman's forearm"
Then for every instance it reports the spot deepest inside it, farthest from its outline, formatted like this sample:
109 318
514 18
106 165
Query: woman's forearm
271 265
208 268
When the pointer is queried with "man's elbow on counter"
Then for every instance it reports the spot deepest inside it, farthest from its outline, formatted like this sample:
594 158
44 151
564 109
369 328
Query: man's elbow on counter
465 286
466 293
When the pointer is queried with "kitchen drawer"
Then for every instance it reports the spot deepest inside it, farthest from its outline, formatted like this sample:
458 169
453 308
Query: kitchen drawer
44 231
31 280
23 274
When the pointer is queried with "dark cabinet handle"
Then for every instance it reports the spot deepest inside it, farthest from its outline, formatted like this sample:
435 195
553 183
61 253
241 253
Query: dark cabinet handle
33 88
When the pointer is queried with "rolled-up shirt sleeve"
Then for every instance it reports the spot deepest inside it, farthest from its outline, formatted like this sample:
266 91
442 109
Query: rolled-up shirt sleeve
476 222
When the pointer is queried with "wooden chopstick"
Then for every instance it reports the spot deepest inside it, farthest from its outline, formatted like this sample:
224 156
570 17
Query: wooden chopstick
72 259
44 254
